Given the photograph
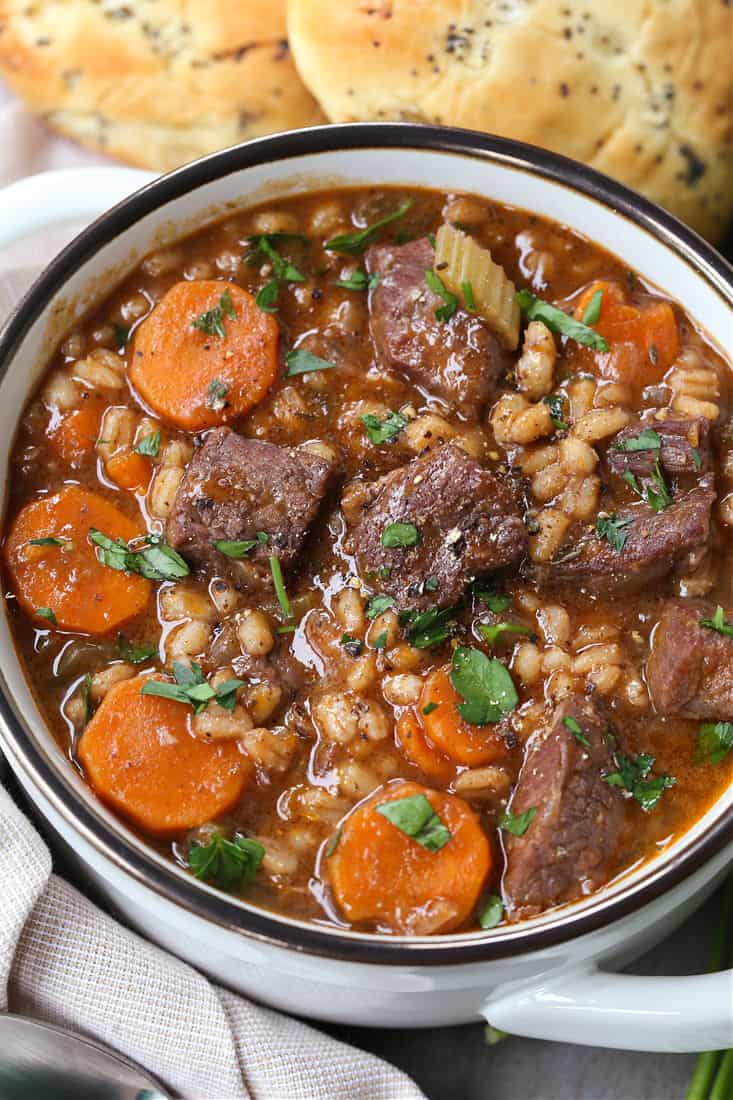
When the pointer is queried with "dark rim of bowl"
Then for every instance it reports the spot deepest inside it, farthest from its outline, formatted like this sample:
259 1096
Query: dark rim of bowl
133 858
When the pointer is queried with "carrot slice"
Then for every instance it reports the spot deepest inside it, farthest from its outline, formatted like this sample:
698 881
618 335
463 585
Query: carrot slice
74 436
446 730
82 594
643 340
129 470
141 758
418 750
381 875
195 379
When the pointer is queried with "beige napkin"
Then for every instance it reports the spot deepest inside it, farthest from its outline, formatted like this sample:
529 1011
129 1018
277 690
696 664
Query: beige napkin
65 961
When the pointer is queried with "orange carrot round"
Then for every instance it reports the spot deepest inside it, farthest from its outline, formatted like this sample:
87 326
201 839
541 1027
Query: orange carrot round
197 379
74 436
381 875
141 758
446 730
412 741
129 470
81 594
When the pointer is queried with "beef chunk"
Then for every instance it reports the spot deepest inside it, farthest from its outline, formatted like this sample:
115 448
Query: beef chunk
568 849
467 521
690 669
655 543
236 487
685 448
458 360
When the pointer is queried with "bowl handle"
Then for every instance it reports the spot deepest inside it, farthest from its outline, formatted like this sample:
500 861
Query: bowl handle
594 1008
50 198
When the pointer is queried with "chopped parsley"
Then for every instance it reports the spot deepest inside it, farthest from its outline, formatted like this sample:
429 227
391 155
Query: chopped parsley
646 440
429 708
718 623
212 321
135 654
151 558
484 684
63 544
450 301
400 535
122 335
556 404
425 629
382 431
534 309
378 605
495 601
416 818
714 742
360 280
380 641
216 396
267 296
696 458
333 843
191 688
279 585
592 313
351 644
654 490
227 864
469 300
86 697
235 548
491 632
353 244
46 613
517 824
574 726
300 361
283 271
149 445
633 776
613 529
491 912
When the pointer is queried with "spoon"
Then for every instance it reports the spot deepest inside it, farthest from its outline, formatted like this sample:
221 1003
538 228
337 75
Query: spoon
41 1062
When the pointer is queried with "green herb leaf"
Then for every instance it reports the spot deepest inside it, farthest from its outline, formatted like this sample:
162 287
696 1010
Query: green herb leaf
400 534
86 697
646 440
436 284
63 544
212 321
426 629
351 644
484 684
613 529
235 548
377 605
494 600
267 296
517 824
334 842
380 641
301 361
152 559
468 299
718 623
429 708
216 395
122 335
534 309
381 431
135 654
353 244
696 458
227 864
556 404
190 687
415 817
654 490
492 632
149 445
633 776
46 613
714 742
593 309
360 280
576 729
226 693
491 912
279 584
283 270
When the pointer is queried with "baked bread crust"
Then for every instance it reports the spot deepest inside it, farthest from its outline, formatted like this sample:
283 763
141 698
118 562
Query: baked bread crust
154 82
640 91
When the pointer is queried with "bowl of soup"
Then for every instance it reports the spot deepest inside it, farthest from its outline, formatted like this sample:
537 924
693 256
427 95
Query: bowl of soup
368 630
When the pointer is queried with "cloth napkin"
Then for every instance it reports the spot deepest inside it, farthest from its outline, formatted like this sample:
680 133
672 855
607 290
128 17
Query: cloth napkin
65 961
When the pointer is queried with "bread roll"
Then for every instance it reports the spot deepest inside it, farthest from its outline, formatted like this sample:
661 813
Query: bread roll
641 91
154 82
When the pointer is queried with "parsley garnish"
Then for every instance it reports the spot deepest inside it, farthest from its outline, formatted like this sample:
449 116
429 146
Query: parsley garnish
534 309
378 605
235 548
149 445
491 912
633 776
353 244
654 491
382 431
380 641
216 395
359 280
718 623
212 321
63 544
714 742
555 402
135 654
267 296
429 708
86 697
46 613
517 824
450 301
696 458
301 361
613 529
646 440
416 818
151 559
227 864
279 584
426 629
283 270
122 335
576 729
333 843
593 309
484 684
491 632
192 689
494 600
400 534
351 644
468 299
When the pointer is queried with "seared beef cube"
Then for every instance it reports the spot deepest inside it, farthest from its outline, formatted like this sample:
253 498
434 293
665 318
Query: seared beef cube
683 448
655 542
690 670
568 849
234 488
466 523
459 360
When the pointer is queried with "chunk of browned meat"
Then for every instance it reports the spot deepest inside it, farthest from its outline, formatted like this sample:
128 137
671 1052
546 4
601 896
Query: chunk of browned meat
278 671
656 542
684 448
459 360
690 670
467 522
568 848
234 488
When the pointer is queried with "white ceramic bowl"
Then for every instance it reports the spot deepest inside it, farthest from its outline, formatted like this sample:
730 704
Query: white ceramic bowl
551 977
